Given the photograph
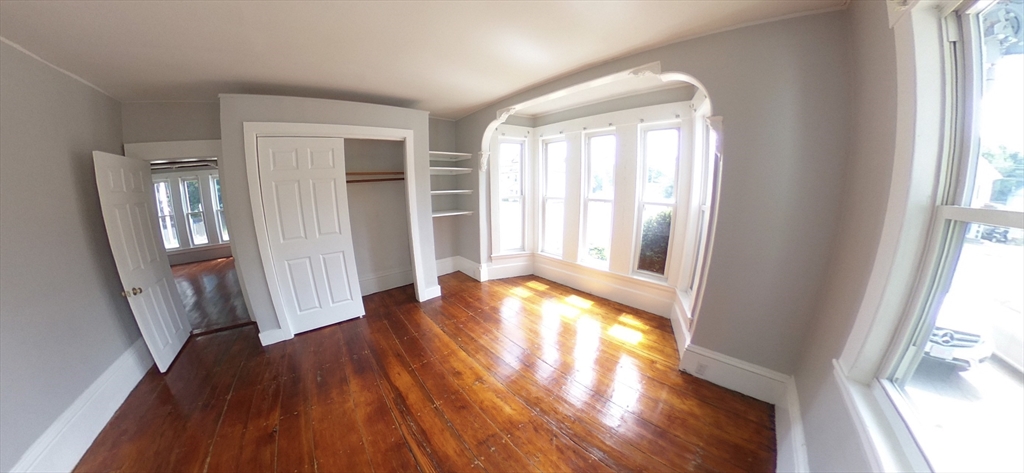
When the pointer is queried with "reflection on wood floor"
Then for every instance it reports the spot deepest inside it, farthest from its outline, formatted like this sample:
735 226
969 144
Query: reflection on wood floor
519 374
212 296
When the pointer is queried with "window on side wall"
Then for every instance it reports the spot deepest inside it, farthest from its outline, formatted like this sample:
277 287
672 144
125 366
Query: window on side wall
222 226
511 203
957 379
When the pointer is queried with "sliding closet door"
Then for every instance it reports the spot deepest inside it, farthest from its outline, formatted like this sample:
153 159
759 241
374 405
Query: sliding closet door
305 203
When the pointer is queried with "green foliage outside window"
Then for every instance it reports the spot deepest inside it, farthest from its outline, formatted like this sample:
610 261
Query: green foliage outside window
654 242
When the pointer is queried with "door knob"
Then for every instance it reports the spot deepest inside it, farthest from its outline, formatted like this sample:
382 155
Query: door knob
136 291
124 294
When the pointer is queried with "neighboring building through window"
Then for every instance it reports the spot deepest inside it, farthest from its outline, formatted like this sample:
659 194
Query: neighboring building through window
165 213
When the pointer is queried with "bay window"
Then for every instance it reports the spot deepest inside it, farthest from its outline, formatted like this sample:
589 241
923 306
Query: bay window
615 192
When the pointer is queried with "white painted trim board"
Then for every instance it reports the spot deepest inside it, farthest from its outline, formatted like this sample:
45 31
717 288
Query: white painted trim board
62 445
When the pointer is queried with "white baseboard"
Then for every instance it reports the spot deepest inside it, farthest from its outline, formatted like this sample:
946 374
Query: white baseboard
202 253
427 293
680 318
458 263
791 446
649 296
738 375
62 445
383 282
271 337
759 383
502 267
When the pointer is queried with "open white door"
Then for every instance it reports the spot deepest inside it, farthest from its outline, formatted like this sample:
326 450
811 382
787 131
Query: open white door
305 202
129 212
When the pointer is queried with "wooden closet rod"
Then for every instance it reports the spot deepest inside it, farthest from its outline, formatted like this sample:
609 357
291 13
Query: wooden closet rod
377 180
381 173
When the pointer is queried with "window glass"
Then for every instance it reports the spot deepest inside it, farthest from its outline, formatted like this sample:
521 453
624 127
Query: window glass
599 233
999 170
510 194
222 226
661 151
962 376
601 155
654 238
554 196
554 218
554 180
967 388
193 201
165 213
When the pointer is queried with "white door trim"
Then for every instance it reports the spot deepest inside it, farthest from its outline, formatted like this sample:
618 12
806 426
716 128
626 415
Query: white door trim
254 130
161 150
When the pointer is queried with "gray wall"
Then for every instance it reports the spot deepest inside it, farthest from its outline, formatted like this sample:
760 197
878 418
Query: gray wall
144 122
62 319
236 109
781 89
377 210
832 441
446 234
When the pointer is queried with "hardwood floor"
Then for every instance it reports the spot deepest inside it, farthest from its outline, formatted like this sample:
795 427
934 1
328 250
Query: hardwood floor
212 296
519 374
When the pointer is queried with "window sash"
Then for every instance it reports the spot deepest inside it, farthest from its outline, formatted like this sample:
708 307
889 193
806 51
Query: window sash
504 236
643 201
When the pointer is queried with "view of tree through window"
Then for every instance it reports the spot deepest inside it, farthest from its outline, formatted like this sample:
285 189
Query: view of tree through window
661 152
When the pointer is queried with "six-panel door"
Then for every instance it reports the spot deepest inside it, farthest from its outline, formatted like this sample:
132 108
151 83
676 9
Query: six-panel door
305 204
126 195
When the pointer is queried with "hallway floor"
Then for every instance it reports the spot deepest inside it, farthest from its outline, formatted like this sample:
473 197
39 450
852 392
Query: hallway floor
211 293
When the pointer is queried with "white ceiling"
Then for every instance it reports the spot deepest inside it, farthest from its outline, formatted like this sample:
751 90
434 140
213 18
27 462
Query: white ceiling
449 58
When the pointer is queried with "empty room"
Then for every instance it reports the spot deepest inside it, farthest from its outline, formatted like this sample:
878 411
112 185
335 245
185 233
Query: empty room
765 235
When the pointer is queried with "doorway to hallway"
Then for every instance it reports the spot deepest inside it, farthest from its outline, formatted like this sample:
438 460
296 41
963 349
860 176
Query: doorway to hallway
211 294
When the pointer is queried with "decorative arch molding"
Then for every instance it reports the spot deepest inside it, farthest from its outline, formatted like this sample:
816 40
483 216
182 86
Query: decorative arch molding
686 295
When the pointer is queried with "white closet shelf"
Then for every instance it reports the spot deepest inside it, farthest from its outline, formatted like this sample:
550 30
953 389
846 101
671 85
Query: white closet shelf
449 156
448 213
451 192
449 171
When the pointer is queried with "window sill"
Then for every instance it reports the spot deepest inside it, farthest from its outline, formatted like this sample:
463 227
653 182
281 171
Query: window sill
883 433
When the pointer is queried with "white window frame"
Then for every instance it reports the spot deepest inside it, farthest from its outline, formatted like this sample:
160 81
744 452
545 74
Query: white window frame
177 186
173 215
671 252
586 200
506 134
217 203
188 213
912 250
542 149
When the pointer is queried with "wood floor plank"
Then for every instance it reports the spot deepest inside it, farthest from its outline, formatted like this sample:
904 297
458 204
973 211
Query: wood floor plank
522 374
